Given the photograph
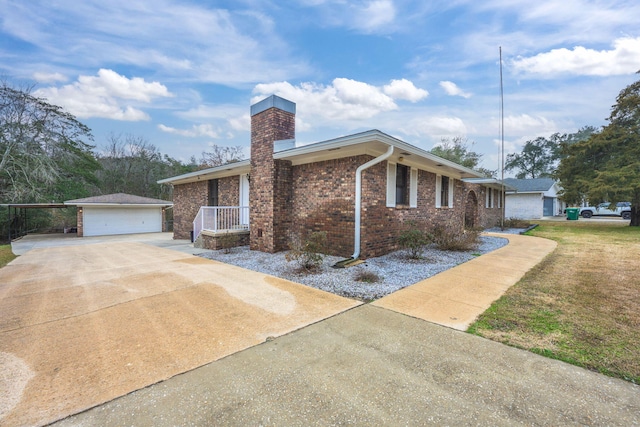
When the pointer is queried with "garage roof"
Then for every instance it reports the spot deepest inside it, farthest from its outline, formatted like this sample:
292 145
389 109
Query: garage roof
118 199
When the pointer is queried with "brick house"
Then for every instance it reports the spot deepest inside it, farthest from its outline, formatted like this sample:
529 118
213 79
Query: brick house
360 189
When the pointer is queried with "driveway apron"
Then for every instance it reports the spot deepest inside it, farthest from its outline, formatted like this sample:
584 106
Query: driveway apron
82 325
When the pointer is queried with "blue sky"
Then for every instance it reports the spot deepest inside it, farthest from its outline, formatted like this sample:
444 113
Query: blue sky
182 74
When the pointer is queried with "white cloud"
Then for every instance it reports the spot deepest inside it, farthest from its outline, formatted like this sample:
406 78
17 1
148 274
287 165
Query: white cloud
624 58
374 15
436 127
228 45
49 77
366 16
452 89
106 95
343 100
405 89
194 132
524 124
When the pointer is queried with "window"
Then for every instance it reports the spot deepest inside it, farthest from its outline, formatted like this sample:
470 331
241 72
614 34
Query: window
402 185
213 193
489 197
444 192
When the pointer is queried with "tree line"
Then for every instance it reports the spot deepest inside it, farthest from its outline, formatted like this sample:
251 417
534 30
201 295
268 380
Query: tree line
592 165
47 155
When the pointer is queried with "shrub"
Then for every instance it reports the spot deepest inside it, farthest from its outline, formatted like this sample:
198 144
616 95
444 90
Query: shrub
414 240
367 277
515 223
310 253
452 237
228 241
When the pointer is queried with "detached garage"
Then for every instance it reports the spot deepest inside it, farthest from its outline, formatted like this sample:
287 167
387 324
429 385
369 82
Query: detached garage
119 214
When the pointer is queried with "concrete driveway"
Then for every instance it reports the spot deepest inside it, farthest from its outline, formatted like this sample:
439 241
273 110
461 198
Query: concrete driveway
148 314
81 325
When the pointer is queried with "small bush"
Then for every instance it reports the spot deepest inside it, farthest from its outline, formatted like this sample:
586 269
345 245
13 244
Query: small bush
228 241
452 237
367 277
414 240
310 253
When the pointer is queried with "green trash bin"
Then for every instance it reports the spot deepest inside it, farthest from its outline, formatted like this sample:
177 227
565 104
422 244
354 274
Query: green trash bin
573 213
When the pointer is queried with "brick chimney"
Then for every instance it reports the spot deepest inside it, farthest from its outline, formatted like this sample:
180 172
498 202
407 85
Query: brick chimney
272 119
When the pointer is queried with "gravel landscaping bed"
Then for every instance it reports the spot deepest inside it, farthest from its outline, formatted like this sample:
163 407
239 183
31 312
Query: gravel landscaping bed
394 270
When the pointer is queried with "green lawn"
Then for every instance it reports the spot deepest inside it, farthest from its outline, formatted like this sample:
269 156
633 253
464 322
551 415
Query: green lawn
581 304
6 256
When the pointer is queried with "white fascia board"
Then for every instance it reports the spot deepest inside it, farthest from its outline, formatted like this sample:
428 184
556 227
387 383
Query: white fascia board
375 135
210 173
492 183
120 205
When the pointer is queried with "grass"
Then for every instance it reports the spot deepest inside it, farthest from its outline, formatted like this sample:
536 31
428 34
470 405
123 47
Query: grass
6 256
581 304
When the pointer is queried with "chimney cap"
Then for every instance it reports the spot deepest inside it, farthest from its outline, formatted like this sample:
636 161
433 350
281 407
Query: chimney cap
271 102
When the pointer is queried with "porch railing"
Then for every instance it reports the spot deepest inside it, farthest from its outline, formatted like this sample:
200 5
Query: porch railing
221 218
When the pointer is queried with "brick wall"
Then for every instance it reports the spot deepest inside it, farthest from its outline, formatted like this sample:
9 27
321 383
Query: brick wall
80 221
229 191
214 241
270 180
323 200
487 217
187 199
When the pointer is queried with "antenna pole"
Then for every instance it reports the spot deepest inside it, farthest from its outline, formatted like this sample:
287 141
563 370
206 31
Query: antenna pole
503 201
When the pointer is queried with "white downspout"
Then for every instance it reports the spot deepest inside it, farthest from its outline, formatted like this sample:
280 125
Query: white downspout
385 156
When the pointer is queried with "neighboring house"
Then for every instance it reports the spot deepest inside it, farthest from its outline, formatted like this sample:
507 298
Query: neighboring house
360 189
119 214
533 198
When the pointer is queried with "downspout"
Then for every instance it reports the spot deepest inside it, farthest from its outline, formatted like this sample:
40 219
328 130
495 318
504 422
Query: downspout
356 243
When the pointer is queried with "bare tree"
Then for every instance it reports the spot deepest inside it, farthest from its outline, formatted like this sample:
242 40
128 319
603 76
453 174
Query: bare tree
36 138
221 156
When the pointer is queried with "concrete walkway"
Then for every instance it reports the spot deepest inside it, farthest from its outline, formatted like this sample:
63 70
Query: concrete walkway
456 297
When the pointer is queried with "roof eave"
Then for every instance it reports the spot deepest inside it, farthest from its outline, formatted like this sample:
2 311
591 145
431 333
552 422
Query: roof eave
198 175
129 205
375 136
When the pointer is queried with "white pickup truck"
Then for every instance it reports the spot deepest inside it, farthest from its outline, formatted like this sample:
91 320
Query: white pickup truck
622 209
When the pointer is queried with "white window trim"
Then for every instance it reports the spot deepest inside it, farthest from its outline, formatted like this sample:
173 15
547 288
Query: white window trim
452 183
391 185
413 188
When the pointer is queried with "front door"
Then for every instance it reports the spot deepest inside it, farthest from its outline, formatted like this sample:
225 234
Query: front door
547 207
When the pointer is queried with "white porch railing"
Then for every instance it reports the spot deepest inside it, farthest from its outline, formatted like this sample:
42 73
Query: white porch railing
221 218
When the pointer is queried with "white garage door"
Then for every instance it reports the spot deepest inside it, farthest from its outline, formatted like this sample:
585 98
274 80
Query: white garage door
106 221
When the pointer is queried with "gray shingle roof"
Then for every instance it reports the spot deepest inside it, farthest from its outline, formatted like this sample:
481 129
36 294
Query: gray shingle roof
530 185
119 198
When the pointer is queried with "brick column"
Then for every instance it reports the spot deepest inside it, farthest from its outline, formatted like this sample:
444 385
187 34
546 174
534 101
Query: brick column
80 221
272 119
